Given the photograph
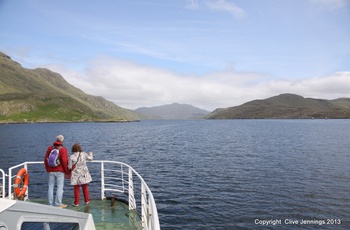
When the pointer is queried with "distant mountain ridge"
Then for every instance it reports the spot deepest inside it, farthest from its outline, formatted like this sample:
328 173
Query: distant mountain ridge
173 111
286 106
40 95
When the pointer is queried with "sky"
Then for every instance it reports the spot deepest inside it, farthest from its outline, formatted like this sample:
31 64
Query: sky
207 53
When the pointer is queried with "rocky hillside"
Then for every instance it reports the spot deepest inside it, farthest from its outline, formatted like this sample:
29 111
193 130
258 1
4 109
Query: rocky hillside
173 111
40 95
286 106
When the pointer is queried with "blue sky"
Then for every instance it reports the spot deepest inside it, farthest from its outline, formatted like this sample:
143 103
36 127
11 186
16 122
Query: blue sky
208 53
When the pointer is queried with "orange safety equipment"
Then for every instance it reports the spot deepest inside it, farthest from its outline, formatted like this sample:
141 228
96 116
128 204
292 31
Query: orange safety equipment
20 192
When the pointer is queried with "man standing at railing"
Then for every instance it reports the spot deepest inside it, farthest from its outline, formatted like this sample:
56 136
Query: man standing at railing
56 164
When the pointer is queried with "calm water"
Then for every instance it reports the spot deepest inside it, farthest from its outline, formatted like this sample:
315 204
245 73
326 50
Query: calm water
225 174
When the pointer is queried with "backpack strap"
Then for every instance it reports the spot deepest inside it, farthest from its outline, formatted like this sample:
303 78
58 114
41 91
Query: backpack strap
59 154
77 159
73 166
57 147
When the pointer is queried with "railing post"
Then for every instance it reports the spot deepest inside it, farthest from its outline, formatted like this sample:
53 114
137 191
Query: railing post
27 191
9 184
103 195
3 183
144 216
132 202
122 176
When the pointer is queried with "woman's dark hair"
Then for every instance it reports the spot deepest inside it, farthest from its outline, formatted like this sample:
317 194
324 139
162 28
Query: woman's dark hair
76 148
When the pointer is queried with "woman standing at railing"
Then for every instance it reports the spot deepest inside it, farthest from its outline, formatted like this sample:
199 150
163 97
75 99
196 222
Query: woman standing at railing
80 173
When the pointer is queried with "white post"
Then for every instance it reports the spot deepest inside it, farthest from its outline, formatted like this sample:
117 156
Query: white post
3 183
144 207
9 184
132 202
26 197
102 181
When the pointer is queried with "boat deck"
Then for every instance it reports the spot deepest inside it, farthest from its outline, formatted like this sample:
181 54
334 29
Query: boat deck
106 214
133 207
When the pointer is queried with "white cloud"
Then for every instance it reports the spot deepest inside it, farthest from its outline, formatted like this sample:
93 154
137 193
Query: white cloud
131 85
331 4
218 5
224 5
192 4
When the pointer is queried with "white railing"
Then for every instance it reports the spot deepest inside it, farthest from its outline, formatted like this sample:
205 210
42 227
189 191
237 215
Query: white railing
2 184
115 177
125 182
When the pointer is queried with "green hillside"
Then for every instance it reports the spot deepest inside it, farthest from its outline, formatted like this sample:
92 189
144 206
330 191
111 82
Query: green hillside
40 95
286 106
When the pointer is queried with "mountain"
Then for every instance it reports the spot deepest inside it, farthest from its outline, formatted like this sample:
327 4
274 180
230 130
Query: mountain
173 111
286 106
40 95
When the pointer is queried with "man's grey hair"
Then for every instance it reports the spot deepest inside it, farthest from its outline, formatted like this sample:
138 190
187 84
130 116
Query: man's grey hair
60 138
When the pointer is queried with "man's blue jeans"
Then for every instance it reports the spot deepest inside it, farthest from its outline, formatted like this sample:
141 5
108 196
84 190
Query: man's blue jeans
56 177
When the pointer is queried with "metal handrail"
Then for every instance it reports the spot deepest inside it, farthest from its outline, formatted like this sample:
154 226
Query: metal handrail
148 209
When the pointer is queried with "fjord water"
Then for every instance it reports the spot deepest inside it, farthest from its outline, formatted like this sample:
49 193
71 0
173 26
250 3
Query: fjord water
215 174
